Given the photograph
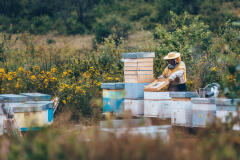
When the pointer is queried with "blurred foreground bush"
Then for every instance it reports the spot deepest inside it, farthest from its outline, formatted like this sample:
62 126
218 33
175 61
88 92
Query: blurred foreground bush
68 142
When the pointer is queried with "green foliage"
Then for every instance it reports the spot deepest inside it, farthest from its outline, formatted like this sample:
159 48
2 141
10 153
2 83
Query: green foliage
81 16
113 26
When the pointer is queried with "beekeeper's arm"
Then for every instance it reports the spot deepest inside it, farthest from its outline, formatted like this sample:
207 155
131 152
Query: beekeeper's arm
178 74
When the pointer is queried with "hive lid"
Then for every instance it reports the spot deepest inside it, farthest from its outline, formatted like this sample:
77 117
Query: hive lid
49 104
137 55
183 94
27 107
112 85
202 101
13 98
37 96
225 101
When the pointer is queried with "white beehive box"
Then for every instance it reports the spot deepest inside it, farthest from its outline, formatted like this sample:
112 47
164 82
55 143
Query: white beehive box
182 114
157 104
136 107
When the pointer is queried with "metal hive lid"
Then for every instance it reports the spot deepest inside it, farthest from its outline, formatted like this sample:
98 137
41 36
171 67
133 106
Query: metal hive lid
28 107
112 85
13 98
137 55
202 101
225 101
37 96
183 94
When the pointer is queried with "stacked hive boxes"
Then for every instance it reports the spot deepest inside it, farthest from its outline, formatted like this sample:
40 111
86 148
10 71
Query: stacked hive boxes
138 67
31 110
113 97
138 73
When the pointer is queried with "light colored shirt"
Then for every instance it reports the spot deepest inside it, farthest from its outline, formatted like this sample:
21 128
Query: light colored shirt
179 68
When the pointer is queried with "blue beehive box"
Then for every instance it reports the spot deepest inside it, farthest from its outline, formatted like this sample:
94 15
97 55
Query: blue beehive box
204 111
113 97
135 90
14 98
37 96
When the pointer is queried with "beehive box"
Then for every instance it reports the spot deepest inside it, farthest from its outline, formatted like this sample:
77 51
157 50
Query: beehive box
136 107
138 67
204 111
113 97
182 109
135 90
157 104
31 115
226 109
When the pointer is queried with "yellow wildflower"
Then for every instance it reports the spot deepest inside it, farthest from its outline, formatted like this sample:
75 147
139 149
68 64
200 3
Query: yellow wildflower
53 79
54 70
45 81
64 101
214 69
83 92
78 88
33 77
2 70
69 97
69 71
64 74
20 69
109 78
17 85
80 82
99 84
35 68
117 79
9 77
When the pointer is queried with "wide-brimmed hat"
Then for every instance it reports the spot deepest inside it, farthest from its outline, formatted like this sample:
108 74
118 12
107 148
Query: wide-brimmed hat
172 55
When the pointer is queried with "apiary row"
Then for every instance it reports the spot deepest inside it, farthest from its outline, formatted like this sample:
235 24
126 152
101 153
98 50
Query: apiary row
183 108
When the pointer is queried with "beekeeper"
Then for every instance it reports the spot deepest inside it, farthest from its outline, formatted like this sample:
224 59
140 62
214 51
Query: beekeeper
175 72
